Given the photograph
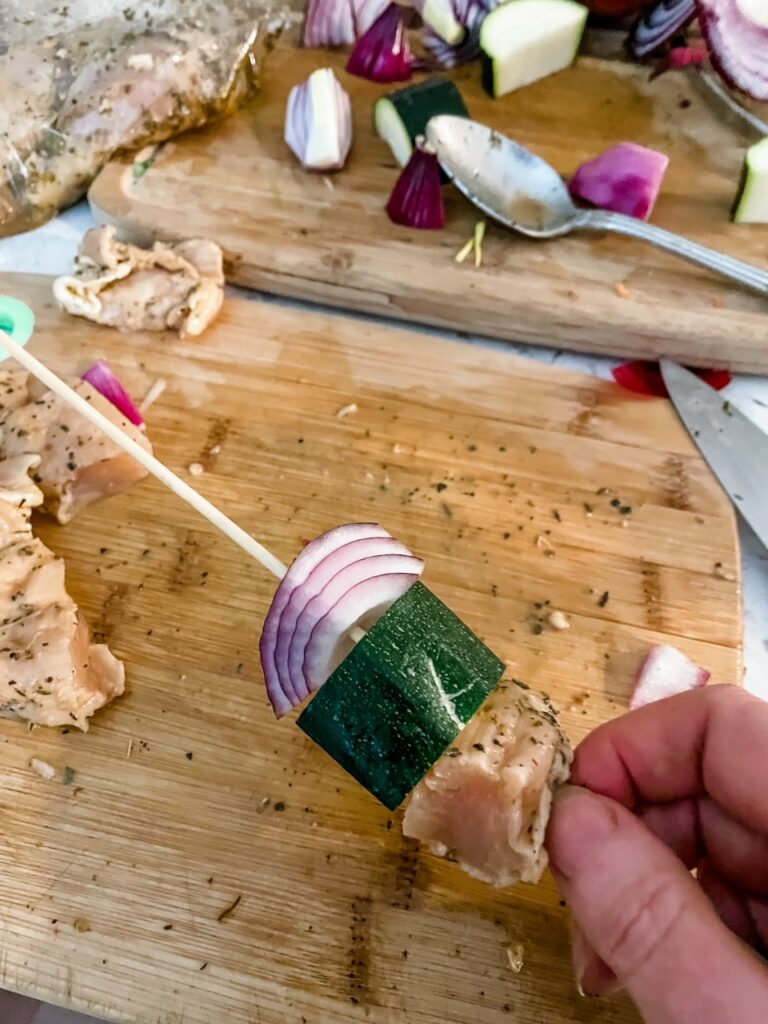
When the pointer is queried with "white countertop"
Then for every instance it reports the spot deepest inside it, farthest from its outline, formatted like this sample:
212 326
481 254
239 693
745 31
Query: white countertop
49 250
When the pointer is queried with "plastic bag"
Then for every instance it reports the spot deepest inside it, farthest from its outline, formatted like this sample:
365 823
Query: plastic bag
84 80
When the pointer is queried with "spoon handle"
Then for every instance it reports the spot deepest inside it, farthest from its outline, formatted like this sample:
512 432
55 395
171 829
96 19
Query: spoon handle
743 273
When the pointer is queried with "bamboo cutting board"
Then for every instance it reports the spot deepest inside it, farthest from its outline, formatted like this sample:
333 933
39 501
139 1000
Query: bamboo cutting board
328 239
207 864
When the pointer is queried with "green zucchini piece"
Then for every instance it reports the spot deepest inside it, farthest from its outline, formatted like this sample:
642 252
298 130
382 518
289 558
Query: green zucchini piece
525 40
402 696
752 202
401 116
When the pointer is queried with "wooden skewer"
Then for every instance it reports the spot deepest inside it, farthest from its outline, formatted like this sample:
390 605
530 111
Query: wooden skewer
214 515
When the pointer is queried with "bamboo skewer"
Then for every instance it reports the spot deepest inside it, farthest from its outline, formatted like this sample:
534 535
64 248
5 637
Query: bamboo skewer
153 465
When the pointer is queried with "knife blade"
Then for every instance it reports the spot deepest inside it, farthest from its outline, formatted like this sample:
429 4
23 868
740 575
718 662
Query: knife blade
733 446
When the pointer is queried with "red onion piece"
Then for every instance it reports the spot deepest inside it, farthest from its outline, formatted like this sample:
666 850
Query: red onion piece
321 574
666 672
659 25
356 596
644 378
625 178
318 122
339 22
417 198
383 53
100 377
279 690
736 32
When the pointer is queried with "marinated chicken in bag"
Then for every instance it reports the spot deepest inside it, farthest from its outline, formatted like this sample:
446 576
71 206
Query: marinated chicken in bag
85 80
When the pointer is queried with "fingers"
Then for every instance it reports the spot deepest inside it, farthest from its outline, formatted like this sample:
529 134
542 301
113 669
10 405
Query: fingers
731 905
647 919
711 741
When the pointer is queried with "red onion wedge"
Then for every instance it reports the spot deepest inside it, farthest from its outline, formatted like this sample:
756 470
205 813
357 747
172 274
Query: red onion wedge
417 198
659 25
736 32
665 672
318 122
358 596
383 53
323 573
101 378
644 378
327 566
278 686
464 49
625 178
340 22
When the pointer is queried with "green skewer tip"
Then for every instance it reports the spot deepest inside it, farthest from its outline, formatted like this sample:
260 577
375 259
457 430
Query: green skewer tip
17 320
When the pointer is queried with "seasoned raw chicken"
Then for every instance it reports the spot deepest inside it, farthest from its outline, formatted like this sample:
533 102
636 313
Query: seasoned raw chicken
50 673
486 802
90 78
120 285
77 463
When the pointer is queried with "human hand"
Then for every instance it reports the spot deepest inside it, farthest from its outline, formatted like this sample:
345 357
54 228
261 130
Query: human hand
682 784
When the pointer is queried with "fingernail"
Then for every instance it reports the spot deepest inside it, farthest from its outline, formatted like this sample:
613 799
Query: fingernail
581 821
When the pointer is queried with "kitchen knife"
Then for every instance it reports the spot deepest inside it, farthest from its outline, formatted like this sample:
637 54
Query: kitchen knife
733 446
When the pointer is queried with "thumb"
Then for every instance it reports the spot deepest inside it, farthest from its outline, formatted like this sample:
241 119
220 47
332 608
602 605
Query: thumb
647 919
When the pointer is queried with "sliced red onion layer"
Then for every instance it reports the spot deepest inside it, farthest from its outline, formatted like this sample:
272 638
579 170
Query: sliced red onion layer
361 559
466 48
340 22
383 54
417 198
736 32
318 122
665 672
644 378
358 596
659 25
101 378
323 573
625 178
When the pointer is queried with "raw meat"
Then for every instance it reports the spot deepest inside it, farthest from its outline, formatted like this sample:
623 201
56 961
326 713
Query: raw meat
85 81
180 287
50 673
77 464
486 802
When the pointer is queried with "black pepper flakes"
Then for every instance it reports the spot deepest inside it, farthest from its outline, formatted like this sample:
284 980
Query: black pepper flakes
604 598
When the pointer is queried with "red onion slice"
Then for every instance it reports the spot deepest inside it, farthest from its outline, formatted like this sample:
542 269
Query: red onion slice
736 32
100 377
325 608
366 602
666 672
279 690
321 575
340 22
659 25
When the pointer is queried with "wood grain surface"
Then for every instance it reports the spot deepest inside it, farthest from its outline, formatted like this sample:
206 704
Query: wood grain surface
328 239
207 864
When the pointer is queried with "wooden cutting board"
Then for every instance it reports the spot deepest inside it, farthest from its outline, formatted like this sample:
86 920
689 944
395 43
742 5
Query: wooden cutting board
209 864
328 239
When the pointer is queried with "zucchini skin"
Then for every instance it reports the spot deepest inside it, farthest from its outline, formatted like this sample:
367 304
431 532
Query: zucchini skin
399 700
488 74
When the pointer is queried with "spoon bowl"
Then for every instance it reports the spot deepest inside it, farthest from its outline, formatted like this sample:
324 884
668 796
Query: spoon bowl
503 178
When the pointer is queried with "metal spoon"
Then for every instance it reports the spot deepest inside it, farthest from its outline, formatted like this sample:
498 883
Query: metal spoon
522 191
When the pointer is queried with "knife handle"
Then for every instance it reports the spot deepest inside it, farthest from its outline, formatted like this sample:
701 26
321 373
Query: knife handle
738 271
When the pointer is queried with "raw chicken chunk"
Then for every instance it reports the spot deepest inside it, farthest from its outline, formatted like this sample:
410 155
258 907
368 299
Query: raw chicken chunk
50 673
77 464
179 287
486 802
